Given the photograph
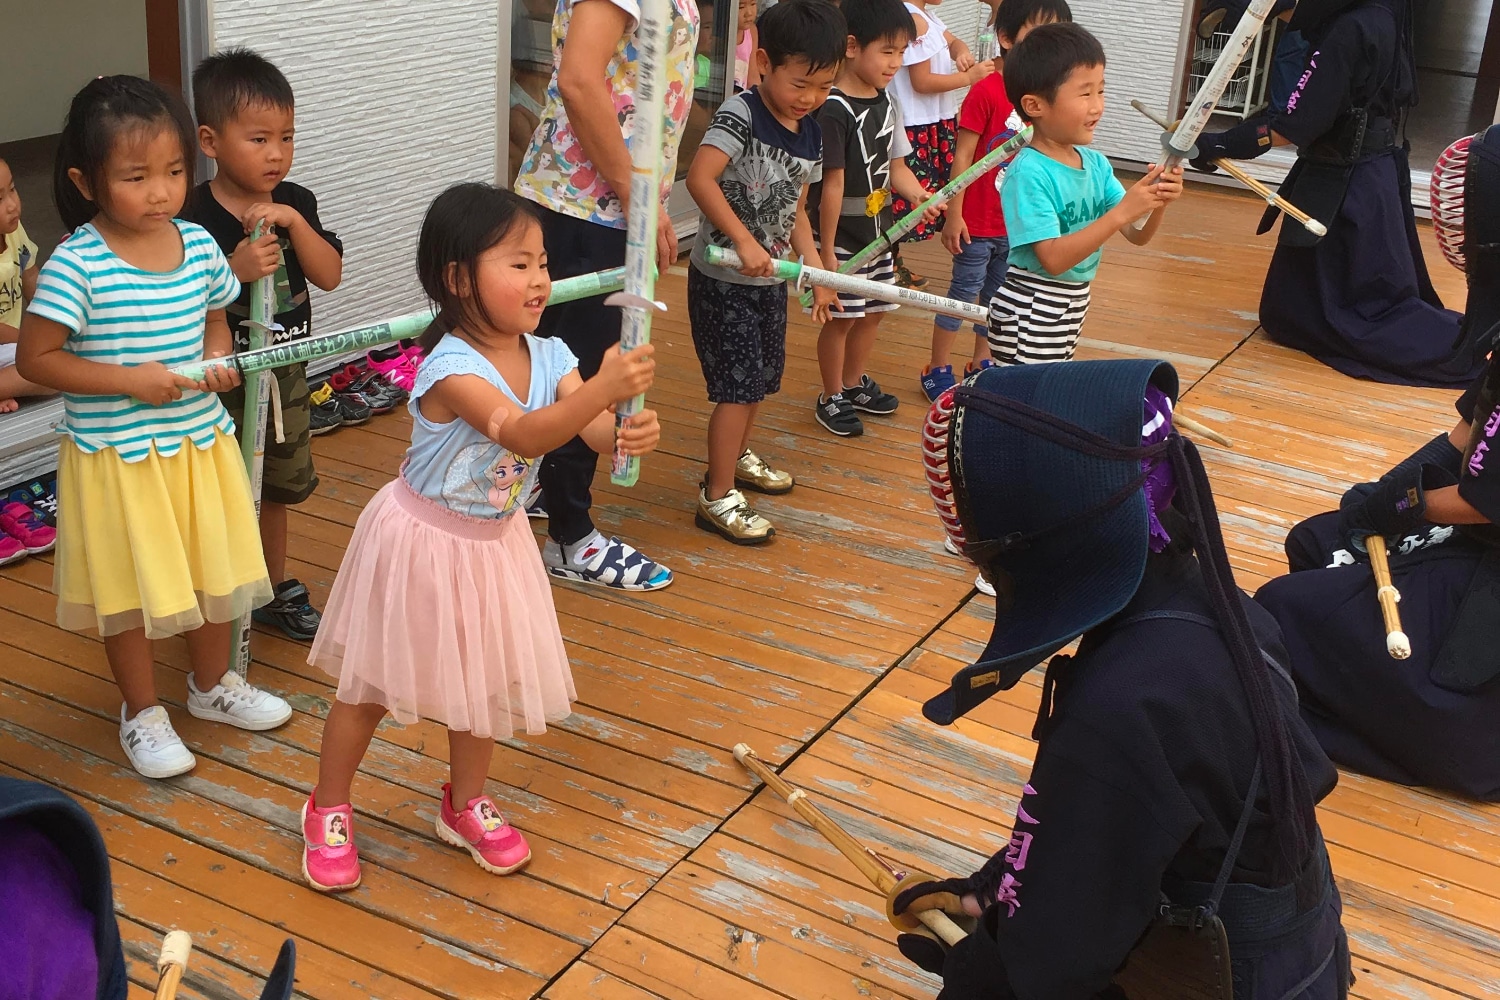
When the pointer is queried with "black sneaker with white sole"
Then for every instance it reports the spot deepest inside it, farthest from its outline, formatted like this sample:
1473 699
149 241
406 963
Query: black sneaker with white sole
837 416
868 397
331 410
291 611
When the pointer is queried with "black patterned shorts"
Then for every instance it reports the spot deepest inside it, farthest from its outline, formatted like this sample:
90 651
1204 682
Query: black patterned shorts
739 332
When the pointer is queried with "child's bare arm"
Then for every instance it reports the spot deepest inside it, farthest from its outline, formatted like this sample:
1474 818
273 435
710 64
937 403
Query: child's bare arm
806 247
1168 189
925 81
1063 253
703 176
905 183
830 207
530 435
320 262
959 50
40 358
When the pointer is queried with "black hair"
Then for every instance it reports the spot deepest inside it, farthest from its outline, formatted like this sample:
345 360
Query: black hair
461 224
107 110
1014 15
228 82
812 30
1043 62
875 20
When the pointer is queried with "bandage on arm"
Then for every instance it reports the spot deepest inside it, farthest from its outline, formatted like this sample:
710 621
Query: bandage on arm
496 421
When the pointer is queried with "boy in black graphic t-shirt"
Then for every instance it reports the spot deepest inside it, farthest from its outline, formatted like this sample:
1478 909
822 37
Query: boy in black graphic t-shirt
864 150
750 178
245 109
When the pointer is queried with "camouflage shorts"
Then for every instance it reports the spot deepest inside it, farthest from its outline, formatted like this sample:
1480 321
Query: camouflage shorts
289 475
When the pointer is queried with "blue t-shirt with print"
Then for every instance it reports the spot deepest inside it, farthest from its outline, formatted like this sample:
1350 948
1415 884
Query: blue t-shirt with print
1044 199
454 464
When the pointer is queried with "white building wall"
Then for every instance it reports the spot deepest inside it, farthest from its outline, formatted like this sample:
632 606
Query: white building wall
395 101
1143 42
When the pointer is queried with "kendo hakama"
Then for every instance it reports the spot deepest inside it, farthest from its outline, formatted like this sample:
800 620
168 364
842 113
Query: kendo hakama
1433 719
1360 298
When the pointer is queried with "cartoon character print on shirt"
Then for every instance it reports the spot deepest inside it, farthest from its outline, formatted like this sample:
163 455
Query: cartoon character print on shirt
485 475
556 173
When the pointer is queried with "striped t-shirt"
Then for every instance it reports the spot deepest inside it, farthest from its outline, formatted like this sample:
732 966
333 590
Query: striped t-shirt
121 315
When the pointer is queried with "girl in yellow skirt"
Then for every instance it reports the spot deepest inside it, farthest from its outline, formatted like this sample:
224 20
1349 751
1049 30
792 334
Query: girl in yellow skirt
442 607
156 526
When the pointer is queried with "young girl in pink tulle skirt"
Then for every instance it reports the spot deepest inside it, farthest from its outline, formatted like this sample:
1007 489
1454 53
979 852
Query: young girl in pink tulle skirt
442 609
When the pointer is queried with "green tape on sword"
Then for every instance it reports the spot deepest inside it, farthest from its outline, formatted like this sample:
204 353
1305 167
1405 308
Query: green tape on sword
989 161
365 338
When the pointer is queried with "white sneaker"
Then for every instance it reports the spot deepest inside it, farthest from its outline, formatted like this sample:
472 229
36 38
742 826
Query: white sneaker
984 586
152 744
237 702
948 544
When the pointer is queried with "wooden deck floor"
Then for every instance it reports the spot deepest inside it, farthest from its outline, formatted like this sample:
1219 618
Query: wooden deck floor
659 870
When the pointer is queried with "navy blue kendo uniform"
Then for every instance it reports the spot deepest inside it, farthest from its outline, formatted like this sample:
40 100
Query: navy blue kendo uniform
1359 299
1165 844
1431 719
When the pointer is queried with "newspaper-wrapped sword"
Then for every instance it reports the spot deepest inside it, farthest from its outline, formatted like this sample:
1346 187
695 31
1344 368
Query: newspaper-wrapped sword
652 35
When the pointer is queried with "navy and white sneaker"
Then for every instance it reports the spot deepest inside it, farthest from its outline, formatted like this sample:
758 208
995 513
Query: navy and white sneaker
536 503
868 397
937 380
837 416
291 611
604 562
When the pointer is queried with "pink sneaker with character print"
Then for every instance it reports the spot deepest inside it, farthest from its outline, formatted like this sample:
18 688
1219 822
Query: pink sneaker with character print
480 829
330 861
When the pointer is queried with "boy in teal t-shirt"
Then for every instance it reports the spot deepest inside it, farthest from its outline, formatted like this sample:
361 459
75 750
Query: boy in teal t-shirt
1061 199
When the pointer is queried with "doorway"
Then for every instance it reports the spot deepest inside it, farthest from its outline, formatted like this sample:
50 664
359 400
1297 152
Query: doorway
54 49
1458 73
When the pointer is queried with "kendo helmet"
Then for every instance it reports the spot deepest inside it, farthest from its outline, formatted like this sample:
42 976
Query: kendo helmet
1042 481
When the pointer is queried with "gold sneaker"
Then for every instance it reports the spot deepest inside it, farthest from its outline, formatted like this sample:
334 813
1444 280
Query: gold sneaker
733 518
752 473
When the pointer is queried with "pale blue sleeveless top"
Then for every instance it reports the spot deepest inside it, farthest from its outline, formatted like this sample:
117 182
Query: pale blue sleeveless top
455 465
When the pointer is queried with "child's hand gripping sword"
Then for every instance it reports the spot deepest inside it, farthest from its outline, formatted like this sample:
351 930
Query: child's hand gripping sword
800 275
364 338
253 426
653 34
989 161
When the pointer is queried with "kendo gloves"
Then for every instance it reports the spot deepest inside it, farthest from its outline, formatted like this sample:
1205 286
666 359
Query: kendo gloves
1397 504
1243 142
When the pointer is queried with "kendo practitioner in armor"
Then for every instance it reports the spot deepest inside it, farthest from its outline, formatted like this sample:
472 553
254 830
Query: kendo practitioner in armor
1165 845
1433 719
1359 299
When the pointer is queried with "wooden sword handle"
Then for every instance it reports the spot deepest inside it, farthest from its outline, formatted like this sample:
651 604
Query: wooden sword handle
935 920
175 948
1396 641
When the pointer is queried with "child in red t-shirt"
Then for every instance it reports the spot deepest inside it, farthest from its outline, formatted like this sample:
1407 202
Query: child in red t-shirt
975 229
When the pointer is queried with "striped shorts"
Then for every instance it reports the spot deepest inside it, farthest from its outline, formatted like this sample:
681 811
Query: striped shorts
1035 319
882 269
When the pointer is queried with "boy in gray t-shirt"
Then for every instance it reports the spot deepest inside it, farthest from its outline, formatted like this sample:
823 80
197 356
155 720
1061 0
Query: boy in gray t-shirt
750 178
